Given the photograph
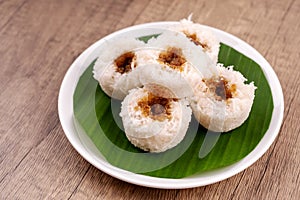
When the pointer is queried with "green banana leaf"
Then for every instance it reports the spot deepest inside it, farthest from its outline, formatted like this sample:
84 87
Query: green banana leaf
93 113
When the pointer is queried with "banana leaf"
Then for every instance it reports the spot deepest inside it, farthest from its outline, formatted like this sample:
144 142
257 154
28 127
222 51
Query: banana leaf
93 113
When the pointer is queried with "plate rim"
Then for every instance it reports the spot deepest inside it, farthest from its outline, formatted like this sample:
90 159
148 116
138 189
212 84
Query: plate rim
168 183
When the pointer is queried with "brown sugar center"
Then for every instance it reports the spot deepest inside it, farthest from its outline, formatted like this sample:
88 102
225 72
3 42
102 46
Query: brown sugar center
221 88
123 62
173 57
157 108
193 38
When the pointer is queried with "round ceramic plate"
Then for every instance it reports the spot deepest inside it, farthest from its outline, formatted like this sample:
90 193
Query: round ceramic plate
82 143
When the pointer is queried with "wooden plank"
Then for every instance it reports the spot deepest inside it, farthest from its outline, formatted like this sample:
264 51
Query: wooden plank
40 39
8 9
51 170
32 74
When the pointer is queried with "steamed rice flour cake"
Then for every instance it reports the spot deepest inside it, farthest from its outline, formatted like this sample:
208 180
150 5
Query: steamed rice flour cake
115 66
200 36
222 103
154 123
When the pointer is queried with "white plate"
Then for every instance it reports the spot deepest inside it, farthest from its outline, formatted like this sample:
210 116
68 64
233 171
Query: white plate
87 149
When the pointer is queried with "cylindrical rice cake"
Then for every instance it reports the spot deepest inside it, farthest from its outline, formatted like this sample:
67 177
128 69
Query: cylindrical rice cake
115 66
200 36
222 103
172 61
154 123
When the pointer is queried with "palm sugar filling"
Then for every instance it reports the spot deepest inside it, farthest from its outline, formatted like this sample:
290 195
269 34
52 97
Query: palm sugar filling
124 62
220 88
173 57
157 108
195 40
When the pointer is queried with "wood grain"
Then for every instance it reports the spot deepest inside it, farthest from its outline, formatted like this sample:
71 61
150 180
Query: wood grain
40 39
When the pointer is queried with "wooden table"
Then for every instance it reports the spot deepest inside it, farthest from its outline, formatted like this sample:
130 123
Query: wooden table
39 39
